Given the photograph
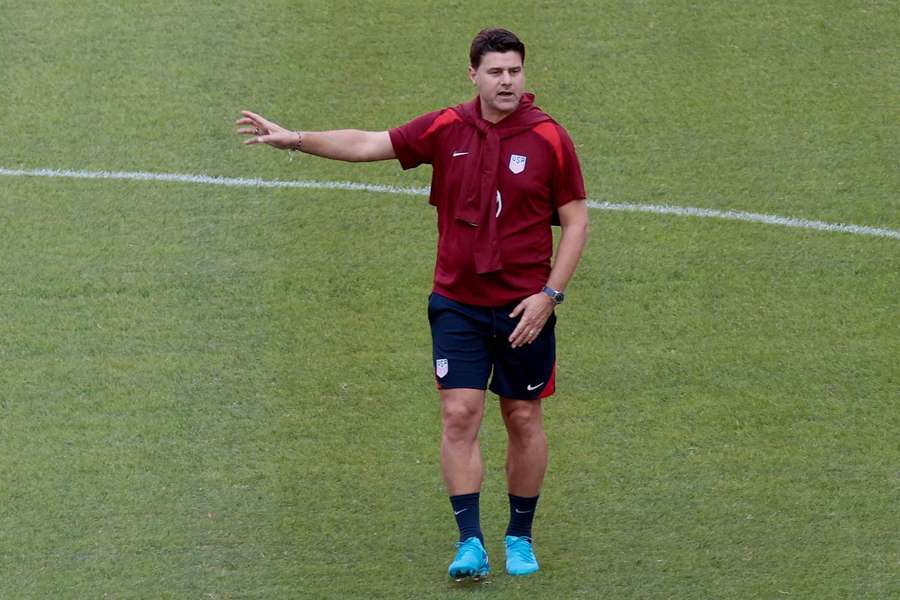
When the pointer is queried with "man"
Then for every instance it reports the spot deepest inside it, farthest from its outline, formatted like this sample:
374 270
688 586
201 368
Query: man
502 172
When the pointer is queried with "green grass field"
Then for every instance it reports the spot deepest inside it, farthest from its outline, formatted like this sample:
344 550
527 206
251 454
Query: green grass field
212 392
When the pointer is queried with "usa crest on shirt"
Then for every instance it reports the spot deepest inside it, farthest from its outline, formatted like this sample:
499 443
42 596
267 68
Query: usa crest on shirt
517 163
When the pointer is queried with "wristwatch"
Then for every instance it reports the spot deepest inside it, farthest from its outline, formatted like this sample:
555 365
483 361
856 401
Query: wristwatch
555 295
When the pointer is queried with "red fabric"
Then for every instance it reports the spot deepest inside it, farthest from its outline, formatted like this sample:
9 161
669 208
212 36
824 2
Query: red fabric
464 190
478 207
549 133
550 388
445 118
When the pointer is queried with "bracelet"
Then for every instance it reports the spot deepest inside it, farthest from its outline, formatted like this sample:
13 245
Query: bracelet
296 147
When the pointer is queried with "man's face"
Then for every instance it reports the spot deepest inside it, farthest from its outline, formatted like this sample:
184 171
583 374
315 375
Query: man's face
500 79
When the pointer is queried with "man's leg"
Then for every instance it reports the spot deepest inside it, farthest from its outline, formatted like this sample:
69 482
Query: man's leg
461 349
526 452
526 463
461 464
463 470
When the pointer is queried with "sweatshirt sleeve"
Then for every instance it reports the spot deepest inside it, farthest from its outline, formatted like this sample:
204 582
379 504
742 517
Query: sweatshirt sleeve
568 184
413 143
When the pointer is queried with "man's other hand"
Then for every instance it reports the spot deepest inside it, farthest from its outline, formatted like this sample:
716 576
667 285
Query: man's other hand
535 311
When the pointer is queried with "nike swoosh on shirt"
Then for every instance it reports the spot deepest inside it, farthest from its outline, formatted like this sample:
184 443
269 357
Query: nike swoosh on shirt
531 388
455 154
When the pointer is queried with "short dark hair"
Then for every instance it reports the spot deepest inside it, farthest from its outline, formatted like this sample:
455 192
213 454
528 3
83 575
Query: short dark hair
494 40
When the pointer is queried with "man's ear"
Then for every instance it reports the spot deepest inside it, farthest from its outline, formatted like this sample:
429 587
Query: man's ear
472 74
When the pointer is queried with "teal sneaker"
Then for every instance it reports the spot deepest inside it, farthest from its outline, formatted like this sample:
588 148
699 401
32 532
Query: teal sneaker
471 560
520 558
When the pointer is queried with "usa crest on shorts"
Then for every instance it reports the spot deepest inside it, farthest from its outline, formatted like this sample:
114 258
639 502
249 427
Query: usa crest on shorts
517 163
441 367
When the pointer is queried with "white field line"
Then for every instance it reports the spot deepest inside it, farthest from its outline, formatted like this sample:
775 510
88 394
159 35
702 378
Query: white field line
736 215
682 211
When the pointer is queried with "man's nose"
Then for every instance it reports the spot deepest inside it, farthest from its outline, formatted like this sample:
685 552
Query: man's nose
505 78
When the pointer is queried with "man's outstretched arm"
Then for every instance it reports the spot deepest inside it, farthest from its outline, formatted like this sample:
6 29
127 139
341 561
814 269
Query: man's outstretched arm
352 145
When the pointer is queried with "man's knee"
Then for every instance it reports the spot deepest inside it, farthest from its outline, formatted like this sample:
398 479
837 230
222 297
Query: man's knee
461 413
523 418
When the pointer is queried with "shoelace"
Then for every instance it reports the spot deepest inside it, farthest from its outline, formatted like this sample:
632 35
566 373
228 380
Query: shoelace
467 545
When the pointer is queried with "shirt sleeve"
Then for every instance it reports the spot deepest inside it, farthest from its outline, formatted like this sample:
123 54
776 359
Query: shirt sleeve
568 182
412 143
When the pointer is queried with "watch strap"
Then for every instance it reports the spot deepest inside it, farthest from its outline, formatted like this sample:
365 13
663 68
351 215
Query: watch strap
555 295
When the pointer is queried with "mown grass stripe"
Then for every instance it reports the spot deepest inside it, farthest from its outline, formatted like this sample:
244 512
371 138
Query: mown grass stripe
660 209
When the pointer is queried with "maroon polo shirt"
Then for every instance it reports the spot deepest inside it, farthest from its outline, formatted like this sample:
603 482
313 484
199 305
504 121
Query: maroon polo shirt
497 253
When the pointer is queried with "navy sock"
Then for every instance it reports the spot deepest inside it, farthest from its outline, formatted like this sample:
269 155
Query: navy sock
521 515
465 509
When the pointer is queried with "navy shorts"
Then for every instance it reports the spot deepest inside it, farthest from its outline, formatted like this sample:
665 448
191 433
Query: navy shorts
470 345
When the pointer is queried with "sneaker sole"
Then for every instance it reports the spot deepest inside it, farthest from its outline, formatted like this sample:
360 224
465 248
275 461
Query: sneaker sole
470 575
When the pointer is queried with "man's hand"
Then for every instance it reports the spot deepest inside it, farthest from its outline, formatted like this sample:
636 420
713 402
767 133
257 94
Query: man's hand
535 311
267 132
